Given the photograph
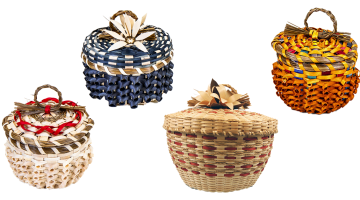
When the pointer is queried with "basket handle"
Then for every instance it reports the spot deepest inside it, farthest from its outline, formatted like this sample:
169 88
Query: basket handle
51 87
332 17
119 13
230 87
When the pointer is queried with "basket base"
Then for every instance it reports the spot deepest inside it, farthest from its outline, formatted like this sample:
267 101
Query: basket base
217 184
44 174
203 165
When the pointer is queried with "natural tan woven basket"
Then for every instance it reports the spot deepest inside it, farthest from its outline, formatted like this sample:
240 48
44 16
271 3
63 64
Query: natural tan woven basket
217 149
49 142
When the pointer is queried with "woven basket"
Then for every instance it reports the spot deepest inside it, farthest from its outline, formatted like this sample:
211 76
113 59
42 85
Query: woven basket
128 69
218 149
315 71
49 142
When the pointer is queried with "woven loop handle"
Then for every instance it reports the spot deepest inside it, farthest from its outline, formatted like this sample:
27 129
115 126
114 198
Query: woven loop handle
119 13
51 87
332 17
231 88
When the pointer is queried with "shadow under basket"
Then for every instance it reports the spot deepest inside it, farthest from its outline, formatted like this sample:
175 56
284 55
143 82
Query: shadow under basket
219 150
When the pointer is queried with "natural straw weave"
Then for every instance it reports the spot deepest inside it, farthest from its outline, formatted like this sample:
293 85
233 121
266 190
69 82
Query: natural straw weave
219 150
49 171
45 160
314 74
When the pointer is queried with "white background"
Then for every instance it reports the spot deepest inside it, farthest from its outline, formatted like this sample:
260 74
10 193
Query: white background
314 157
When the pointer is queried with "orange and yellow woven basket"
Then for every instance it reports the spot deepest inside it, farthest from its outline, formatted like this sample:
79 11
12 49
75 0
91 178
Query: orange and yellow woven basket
315 71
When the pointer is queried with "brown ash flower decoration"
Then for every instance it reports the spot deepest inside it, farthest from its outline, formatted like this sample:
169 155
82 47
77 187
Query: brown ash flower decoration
218 96
129 32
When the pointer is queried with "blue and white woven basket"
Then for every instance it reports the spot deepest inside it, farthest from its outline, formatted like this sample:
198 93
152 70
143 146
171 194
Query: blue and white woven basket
127 69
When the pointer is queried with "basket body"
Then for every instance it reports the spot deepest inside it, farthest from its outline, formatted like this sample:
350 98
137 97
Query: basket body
315 76
219 163
323 97
227 161
49 171
128 76
129 89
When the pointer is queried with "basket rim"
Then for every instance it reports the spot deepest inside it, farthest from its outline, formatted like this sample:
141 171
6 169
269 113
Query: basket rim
282 51
136 71
54 141
30 149
53 151
219 123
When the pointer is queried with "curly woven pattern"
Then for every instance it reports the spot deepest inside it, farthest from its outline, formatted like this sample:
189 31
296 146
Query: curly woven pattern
49 171
315 75
131 90
322 97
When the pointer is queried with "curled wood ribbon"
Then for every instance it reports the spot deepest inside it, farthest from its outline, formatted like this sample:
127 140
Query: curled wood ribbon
36 108
217 96
291 29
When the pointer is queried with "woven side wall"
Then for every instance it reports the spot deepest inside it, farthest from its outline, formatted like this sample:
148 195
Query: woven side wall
325 96
129 89
219 163
51 172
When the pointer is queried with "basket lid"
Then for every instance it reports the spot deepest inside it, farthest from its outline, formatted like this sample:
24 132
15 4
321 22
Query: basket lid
48 123
220 112
127 46
330 50
45 151
220 122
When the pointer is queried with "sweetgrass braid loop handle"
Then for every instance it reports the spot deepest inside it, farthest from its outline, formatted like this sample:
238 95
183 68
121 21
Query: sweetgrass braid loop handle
119 13
231 88
332 17
51 87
